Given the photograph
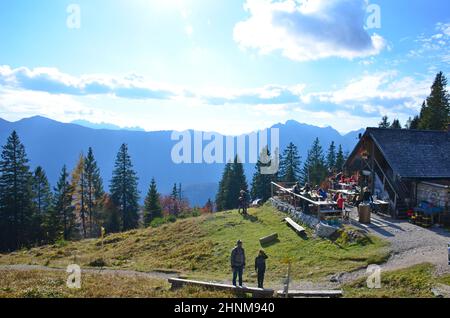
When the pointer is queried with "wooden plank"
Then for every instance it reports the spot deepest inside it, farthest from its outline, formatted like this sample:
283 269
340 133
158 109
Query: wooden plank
178 282
269 239
299 229
312 293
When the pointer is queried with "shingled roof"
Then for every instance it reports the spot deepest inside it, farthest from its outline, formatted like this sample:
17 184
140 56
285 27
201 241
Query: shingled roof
418 154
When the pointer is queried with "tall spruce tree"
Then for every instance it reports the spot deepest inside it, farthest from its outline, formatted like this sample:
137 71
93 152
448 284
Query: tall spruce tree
340 159
42 202
61 221
261 183
79 195
222 196
331 156
290 164
233 181
152 208
315 168
94 192
396 124
15 195
123 189
435 114
384 122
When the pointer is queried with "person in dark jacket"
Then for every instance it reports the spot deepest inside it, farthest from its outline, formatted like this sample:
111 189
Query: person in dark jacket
238 262
260 267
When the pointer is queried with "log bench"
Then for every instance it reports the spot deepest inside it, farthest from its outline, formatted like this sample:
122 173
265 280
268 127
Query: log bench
297 228
311 293
256 292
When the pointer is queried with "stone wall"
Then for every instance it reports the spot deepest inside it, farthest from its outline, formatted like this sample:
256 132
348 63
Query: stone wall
321 229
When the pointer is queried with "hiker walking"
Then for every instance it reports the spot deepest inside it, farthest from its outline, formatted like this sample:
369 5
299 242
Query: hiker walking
260 267
238 262
243 202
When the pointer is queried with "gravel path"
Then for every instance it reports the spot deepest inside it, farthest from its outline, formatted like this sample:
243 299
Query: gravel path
410 244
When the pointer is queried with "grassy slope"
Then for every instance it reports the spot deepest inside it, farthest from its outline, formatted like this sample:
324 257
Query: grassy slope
200 248
50 284
413 282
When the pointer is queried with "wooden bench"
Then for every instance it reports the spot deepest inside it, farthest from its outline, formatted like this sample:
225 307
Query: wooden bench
311 293
256 292
297 228
268 239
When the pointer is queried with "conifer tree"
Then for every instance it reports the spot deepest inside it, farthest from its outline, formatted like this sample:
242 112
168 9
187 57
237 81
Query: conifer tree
331 156
42 202
222 193
79 195
315 169
384 122
261 183
152 207
340 159
233 181
123 189
435 114
290 168
94 191
396 124
15 195
62 219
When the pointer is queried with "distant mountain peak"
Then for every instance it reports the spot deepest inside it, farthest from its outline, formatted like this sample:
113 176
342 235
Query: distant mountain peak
103 125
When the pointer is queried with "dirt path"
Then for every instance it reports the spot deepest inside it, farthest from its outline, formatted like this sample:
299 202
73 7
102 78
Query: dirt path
103 271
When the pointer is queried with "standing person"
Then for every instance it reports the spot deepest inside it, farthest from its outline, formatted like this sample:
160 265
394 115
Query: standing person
243 202
341 206
238 262
260 267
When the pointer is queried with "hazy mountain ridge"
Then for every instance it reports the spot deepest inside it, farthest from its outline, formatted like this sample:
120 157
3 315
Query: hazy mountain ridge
52 144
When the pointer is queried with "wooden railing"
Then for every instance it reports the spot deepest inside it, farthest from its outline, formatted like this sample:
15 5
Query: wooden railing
317 204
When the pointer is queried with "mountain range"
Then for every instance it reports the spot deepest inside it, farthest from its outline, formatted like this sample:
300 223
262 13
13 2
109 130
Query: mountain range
51 144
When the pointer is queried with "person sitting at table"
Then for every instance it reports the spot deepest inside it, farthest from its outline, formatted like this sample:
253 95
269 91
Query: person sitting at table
322 194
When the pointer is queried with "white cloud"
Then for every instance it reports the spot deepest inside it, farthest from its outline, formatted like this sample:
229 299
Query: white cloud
308 30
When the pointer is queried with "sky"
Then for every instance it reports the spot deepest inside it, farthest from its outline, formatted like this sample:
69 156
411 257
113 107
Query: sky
218 65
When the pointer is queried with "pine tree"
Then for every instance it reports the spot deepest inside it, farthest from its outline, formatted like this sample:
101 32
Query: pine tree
222 193
435 115
331 156
261 183
42 202
396 124
123 189
79 195
290 164
15 195
315 169
62 219
384 122
152 208
233 181
94 191
340 159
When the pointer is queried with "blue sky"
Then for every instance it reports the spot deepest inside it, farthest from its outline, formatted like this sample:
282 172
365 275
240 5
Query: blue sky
220 65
